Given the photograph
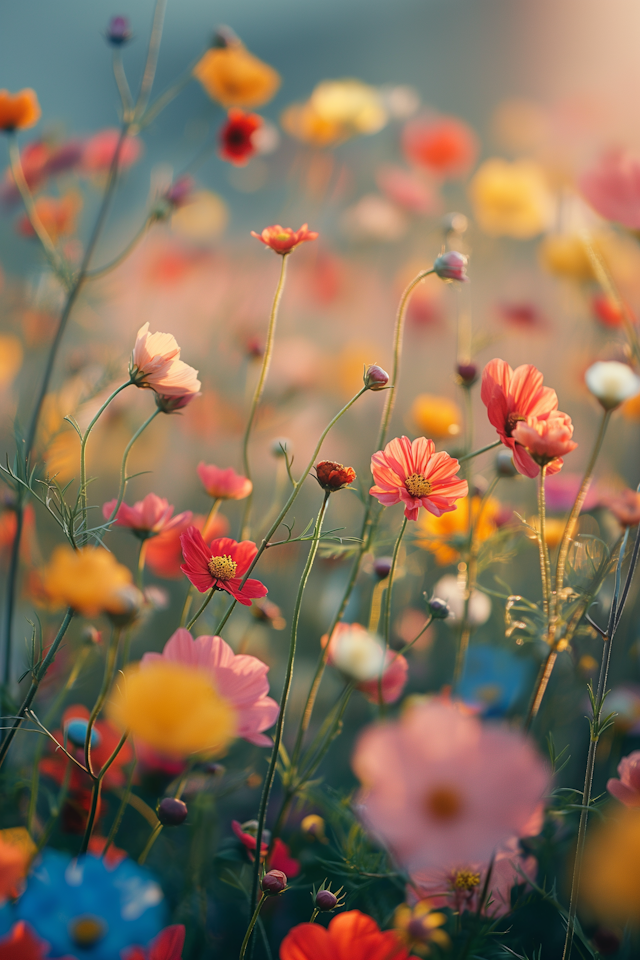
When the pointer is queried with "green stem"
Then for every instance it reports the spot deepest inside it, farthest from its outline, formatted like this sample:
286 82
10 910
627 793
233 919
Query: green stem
115 826
252 922
155 833
107 680
57 263
123 467
201 609
545 565
153 50
122 84
476 453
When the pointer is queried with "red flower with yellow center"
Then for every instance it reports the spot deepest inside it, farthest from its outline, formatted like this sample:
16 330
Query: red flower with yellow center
236 137
221 565
283 240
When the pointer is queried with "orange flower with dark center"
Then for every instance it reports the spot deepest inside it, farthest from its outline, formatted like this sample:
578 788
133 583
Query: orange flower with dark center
283 240
236 137
334 476
18 110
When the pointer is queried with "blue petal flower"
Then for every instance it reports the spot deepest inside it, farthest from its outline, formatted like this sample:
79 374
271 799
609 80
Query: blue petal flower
493 679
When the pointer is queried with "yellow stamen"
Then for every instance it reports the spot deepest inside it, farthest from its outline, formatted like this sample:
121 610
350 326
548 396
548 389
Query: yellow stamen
418 485
466 880
222 568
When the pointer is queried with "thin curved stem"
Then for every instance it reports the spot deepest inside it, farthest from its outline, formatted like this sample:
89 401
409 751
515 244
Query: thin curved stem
122 256
123 467
201 609
152 58
122 84
252 923
107 680
476 453
39 228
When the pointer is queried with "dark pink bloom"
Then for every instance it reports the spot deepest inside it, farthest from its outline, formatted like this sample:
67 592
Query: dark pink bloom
281 859
451 266
168 945
147 517
164 552
221 565
625 506
562 490
546 438
613 188
224 484
236 137
627 788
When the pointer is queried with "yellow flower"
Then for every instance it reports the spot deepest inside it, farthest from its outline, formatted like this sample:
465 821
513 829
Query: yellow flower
444 535
553 530
565 255
336 110
418 926
510 199
236 78
303 122
610 884
10 358
173 708
90 580
436 417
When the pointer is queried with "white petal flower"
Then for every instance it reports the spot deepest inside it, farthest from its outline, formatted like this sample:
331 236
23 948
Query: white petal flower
451 589
357 654
612 382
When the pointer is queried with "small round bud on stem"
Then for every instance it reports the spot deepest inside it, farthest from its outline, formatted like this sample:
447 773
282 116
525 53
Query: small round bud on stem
439 609
326 900
172 812
281 447
468 373
375 378
382 567
118 31
333 476
451 266
274 882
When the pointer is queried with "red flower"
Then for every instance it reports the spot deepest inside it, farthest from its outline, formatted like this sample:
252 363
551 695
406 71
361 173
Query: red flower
108 737
280 858
334 476
164 552
415 475
349 936
283 239
516 396
236 137
446 146
21 943
222 565
546 438
168 945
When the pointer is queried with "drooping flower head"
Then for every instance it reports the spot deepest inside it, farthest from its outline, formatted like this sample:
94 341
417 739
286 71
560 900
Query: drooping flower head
546 439
148 517
351 935
156 364
221 565
234 77
236 137
224 484
18 110
415 475
283 240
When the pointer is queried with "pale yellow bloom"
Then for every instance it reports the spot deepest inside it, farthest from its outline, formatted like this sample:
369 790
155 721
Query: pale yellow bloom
436 417
510 199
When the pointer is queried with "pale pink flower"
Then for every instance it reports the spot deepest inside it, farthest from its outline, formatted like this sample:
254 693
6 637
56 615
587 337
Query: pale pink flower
439 787
627 788
240 679
396 668
98 151
224 484
546 438
149 517
156 363
613 188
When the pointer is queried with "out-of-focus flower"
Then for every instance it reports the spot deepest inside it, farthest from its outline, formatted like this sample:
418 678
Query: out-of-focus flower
546 438
168 945
565 255
280 859
627 788
446 146
236 137
164 553
40 160
451 589
360 656
520 125
173 708
283 240
401 100
438 786
313 826
100 149
493 679
174 404
512 397
21 943
18 110
203 216
415 475
58 216
613 188
303 122
625 506
420 925
236 78
352 934
240 679
436 416
606 311
374 218
522 314
333 476
156 364
553 531
118 31
624 701
610 879
445 536
55 765
267 612
510 199
468 373
336 110
89 580
16 851
562 489
611 382
451 265
221 565
224 484
407 189
11 354
148 517
375 378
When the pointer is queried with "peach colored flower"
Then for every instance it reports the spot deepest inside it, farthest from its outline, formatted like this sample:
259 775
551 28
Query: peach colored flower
350 936
625 506
396 668
446 146
415 475
224 484
512 397
99 150
156 364
18 110
283 239
613 188
147 517
58 216
627 788
240 679
546 438
221 565
439 787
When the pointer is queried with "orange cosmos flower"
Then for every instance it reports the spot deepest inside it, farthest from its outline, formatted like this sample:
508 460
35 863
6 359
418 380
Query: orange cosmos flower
236 137
57 214
235 78
352 934
547 438
445 536
18 110
224 484
156 363
415 475
89 580
283 240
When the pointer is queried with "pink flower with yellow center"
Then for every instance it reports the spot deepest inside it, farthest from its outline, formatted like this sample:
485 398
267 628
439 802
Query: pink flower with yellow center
413 473
148 517
283 239
546 439
156 364
221 565
224 484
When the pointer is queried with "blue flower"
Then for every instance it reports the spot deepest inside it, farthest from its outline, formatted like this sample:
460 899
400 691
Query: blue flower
493 679
83 908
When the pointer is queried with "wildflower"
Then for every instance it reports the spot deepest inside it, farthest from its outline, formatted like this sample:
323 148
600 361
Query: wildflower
493 679
451 266
336 111
240 679
21 943
180 192
168 945
173 708
546 438
565 255
148 517
610 878
436 416
236 78
16 851
360 656
11 354
627 788
58 216
118 31
155 363
325 901
415 475
512 397
18 110
562 489
351 934
611 382
446 146
420 925
375 377
613 188
236 137
625 506
224 484
445 536
439 786
89 580
274 882
221 565
102 746
100 149
468 373
314 826
172 812
439 609
283 240
303 122
279 858
267 612
607 311
452 590
510 199
164 553
334 476
407 189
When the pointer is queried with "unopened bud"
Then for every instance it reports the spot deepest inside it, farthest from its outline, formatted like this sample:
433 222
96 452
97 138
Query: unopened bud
468 373
439 609
171 404
505 466
382 566
375 377
225 37
325 900
172 812
118 31
612 383
274 882
333 476
451 266
180 191
127 611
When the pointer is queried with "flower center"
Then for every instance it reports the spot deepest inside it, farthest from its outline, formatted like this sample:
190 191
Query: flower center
418 485
512 420
87 930
466 880
443 803
222 568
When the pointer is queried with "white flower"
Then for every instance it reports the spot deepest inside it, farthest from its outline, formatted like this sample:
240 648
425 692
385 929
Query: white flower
451 589
612 382
357 654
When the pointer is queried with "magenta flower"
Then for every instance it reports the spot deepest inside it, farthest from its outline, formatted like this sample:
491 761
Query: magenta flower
148 517
627 788
221 565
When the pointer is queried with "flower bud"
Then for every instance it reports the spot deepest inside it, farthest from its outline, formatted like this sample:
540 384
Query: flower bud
382 567
179 192
76 731
454 223
439 609
130 603
215 769
607 942
451 266
334 476
274 882
375 377
611 382
225 37
326 900
468 373
118 31
504 464
172 812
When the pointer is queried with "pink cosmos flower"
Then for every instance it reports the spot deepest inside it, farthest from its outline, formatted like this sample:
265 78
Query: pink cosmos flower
613 188
147 517
156 363
625 506
546 438
512 397
168 945
396 668
240 679
99 149
405 188
415 475
221 565
562 490
627 788
439 787
224 484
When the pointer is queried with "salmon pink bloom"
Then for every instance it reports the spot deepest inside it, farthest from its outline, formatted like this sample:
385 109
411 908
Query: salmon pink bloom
283 240
415 475
359 654
221 565
613 188
512 397
224 484
148 517
168 945
99 151
627 788
625 506
546 438
156 364
439 787
164 553
236 137
350 936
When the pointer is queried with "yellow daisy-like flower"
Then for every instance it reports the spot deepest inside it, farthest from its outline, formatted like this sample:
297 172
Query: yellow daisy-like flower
173 708
235 78
436 417
89 580
418 926
444 536
510 199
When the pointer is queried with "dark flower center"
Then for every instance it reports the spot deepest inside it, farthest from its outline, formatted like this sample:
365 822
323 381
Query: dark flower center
512 421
